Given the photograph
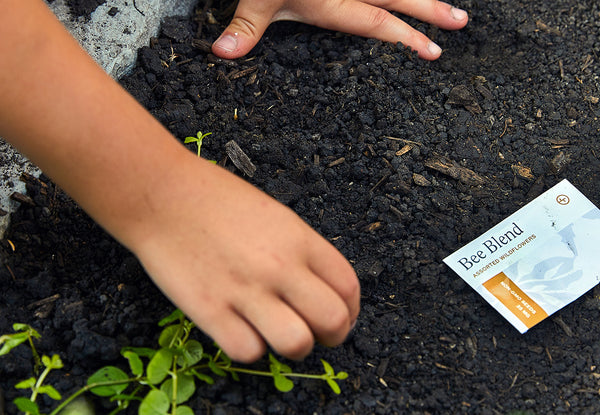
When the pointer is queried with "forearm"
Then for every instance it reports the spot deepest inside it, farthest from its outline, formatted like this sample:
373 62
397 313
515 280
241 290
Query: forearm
71 119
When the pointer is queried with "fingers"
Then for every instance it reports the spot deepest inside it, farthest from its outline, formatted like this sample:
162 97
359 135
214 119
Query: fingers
249 23
438 13
334 270
367 18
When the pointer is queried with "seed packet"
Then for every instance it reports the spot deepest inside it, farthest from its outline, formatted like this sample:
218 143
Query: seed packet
538 260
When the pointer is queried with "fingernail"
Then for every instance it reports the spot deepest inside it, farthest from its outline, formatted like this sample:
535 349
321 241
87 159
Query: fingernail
227 42
458 14
352 325
434 49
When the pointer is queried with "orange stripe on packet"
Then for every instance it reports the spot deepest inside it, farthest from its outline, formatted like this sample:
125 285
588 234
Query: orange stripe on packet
519 303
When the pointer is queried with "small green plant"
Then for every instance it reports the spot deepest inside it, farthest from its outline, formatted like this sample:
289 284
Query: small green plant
162 380
198 140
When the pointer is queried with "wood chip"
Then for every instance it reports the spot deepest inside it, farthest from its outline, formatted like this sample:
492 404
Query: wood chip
420 180
404 140
235 74
336 162
545 28
21 198
450 168
461 95
405 149
561 323
522 171
239 158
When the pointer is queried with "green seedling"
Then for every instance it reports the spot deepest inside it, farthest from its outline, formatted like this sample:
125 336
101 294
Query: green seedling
162 380
198 140
23 334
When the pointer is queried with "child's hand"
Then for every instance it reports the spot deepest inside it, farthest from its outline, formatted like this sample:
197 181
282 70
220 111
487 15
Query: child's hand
369 18
244 267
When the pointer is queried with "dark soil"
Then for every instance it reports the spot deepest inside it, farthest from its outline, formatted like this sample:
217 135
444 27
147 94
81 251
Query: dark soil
514 99
82 7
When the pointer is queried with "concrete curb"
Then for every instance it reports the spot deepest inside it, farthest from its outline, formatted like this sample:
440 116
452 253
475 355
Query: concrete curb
113 35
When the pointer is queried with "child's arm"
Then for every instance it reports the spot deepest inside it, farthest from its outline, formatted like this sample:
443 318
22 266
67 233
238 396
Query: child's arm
368 18
242 266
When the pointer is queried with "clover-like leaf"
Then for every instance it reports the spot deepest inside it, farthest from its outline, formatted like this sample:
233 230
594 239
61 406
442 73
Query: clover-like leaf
159 366
50 391
191 354
278 367
203 377
155 403
169 336
140 351
176 315
27 406
216 369
108 374
333 385
53 362
11 341
26 384
328 368
185 388
184 410
282 383
135 363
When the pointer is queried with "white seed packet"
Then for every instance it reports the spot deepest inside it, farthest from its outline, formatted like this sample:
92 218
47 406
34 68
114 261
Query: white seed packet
538 260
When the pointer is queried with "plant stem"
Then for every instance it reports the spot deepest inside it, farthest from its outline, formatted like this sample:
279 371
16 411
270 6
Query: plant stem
86 388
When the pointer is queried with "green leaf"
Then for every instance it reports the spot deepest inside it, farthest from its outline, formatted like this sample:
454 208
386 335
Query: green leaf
155 403
79 406
170 335
204 377
342 375
184 410
282 383
328 369
190 140
50 391
108 374
11 341
177 314
26 384
140 351
25 405
124 397
333 385
159 366
278 367
135 363
53 362
216 369
22 327
185 388
191 354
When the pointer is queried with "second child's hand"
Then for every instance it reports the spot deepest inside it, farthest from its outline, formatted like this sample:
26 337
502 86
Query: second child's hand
368 18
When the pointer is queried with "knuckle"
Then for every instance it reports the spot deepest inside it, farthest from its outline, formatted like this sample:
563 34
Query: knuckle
378 18
336 327
249 353
296 347
245 26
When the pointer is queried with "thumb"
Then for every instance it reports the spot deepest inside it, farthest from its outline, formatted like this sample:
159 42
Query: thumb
249 23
